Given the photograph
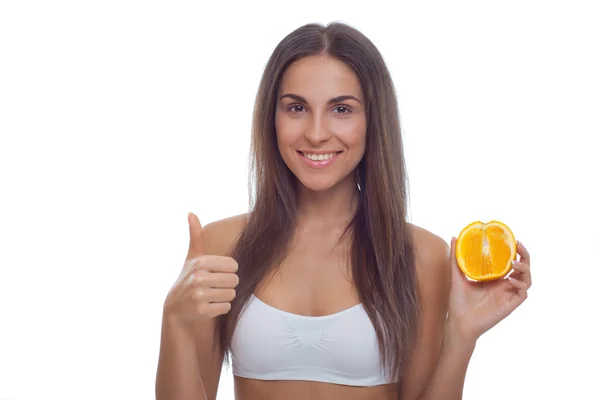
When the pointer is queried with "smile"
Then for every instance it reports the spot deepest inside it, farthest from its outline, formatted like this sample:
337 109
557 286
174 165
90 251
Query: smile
320 160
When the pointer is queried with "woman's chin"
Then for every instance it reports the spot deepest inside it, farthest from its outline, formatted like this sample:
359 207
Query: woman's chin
318 185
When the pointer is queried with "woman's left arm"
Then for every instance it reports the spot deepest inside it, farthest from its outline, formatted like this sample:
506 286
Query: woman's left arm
445 344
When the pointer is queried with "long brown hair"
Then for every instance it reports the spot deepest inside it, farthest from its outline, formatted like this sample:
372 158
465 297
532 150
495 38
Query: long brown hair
381 251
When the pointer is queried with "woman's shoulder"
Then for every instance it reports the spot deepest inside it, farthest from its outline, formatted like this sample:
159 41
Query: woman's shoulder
220 236
431 251
432 265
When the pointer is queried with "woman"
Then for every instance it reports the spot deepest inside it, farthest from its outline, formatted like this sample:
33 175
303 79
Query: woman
324 290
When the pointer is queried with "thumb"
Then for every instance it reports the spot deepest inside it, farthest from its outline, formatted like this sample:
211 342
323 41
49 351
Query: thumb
457 274
196 247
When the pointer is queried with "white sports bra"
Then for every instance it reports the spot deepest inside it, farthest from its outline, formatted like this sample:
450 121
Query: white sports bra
271 344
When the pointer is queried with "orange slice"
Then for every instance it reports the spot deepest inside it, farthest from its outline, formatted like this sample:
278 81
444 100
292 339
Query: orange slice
484 251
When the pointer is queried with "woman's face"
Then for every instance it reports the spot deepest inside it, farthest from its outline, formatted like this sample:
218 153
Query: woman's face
320 121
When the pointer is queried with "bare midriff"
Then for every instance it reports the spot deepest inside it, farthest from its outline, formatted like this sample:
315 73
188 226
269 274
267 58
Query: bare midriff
253 389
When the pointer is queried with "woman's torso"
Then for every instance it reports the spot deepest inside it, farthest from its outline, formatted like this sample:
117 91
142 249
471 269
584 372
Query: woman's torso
313 281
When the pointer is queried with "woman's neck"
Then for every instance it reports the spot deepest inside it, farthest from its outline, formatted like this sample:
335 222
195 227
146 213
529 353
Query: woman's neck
329 209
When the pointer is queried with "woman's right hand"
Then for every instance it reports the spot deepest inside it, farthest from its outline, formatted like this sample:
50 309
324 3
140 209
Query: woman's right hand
205 286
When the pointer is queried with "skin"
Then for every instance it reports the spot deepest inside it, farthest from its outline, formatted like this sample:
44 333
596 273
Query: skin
315 278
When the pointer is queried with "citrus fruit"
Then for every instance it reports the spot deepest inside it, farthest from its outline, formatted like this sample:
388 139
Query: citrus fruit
484 251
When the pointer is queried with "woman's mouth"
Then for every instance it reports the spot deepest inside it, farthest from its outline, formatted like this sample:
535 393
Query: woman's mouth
319 160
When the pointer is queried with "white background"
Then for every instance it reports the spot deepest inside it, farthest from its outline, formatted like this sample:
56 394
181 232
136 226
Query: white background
119 117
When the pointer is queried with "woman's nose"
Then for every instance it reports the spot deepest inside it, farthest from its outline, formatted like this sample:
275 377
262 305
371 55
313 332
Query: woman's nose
317 131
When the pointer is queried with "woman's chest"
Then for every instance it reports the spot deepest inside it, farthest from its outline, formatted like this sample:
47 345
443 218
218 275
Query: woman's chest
311 281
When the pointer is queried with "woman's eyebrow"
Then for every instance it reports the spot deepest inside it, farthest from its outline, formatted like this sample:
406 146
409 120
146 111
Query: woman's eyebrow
337 99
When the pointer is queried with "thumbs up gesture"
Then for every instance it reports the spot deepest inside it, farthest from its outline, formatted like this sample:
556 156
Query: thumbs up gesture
205 286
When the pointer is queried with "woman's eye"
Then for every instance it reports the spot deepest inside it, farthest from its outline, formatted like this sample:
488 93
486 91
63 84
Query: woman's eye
296 108
342 110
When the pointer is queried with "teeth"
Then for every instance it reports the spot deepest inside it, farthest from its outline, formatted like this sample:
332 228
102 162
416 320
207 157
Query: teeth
318 157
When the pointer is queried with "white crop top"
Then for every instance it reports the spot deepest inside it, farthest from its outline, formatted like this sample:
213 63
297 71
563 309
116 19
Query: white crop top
271 344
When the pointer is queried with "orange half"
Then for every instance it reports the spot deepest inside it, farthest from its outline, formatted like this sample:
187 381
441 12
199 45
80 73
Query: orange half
484 251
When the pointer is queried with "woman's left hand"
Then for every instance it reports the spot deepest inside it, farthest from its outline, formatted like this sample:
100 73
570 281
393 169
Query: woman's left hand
475 307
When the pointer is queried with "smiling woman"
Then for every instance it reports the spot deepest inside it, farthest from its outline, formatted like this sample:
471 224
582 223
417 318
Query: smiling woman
336 294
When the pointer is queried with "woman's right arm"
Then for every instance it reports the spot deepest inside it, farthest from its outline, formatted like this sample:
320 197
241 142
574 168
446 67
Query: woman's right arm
189 365
187 369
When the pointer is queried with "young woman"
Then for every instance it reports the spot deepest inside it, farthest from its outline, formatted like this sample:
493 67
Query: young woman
324 290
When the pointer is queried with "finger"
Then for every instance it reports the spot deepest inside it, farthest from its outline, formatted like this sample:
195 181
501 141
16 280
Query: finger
186 271
196 247
213 263
215 280
521 267
523 272
524 253
215 309
517 283
456 271
521 292
512 303
215 295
